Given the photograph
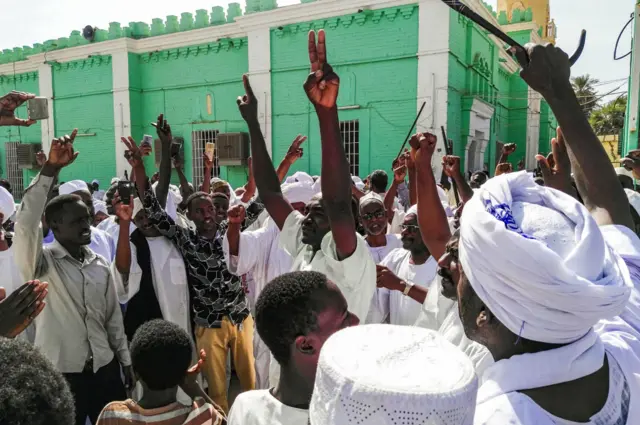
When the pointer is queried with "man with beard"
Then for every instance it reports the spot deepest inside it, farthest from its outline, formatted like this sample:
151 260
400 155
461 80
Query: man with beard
81 329
373 216
407 282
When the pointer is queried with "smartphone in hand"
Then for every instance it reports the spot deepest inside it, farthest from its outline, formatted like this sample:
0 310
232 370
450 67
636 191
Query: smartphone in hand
209 150
125 189
38 108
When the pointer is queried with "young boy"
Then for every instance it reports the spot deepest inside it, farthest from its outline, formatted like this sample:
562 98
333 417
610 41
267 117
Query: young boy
161 354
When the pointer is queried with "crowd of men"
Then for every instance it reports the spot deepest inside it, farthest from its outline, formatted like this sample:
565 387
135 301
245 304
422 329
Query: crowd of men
335 301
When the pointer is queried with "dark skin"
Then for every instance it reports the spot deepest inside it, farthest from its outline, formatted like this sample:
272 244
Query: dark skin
451 168
8 104
297 377
203 214
411 241
315 224
449 268
19 309
477 180
322 90
374 220
88 201
221 205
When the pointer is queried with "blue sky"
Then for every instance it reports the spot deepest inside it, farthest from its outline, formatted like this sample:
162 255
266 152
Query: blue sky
46 19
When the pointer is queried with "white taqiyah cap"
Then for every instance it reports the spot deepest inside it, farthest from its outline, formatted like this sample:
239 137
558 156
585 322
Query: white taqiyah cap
7 204
74 186
388 375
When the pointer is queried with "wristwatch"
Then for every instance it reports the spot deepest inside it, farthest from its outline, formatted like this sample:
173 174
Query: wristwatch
407 288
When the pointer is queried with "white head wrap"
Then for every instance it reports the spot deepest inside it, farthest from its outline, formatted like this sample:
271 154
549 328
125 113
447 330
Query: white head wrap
317 186
634 199
74 186
385 375
137 207
538 260
7 204
300 176
412 210
114 180
298 192
358 182
100 206
371 196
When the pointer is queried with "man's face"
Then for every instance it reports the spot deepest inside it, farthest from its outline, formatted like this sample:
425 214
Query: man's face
334 317
449 269
221 206
410 235
203 214
99 217
88 201
141 220
315 225
374 218
477 180
223 189
73 226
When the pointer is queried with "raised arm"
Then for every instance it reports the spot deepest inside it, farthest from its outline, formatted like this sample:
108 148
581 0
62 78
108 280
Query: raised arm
548 72
208 167
507 149
267 180
250 187
164 133
8 104
556 167
322 90
294 153
185 189
399 174
137 166
28 234
451 167
123 248
432 218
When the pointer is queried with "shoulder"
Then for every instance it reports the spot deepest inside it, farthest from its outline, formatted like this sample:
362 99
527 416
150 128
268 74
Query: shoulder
203 412
396 255
116 410
513 408
247 405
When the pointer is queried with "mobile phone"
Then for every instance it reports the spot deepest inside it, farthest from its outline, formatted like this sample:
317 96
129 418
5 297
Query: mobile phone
147 140
127 155
124 191
38 108
176 144
209 150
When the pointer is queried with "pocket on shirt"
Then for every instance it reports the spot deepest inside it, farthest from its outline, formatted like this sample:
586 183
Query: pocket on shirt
178 273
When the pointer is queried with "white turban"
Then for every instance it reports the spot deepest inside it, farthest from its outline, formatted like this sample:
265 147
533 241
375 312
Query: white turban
317 186
634 199
358 182
7 204
538 260
115 180
100 206
74 186
300 176
412 210
298 192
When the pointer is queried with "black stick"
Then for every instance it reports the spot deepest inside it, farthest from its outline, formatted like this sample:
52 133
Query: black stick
448 148
411 129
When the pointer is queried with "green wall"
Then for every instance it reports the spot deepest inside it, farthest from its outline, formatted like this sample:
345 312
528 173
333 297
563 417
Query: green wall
83 99
27 82
176 82
376 58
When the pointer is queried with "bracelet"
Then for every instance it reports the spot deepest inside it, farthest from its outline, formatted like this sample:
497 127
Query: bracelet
407 288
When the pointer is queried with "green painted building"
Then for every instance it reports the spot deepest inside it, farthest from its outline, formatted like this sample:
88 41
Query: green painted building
392 56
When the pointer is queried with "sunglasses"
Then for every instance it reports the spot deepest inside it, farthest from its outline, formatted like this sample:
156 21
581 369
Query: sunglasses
371 216
411 227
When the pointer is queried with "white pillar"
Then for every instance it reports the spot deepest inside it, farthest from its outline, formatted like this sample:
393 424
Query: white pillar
45 87
260 77
121 107
533 129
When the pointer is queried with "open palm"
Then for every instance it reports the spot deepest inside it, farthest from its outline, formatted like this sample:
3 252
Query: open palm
323 83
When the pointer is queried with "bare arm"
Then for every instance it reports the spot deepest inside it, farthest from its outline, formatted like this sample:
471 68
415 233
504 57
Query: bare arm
548 73
184 183
164 133
322 90
123 249
236 215
267 180
432 218
399 174
451 166
250 187
294 153
208 166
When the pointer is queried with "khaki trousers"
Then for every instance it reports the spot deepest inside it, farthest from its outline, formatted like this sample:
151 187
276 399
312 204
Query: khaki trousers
217 342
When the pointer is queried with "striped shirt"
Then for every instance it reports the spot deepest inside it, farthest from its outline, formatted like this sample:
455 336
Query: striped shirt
128 412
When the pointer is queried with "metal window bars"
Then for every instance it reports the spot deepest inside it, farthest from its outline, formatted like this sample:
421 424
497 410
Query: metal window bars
199 140
13 172
350 133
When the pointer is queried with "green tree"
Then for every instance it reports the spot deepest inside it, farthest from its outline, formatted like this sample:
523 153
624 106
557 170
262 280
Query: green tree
583 85
609 119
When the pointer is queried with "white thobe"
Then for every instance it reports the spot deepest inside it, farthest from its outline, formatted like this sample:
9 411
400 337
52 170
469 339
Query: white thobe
169 281
402 309
259 254
380 252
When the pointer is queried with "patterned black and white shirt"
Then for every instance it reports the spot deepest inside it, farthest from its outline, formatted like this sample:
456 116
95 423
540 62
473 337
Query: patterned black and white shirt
216 293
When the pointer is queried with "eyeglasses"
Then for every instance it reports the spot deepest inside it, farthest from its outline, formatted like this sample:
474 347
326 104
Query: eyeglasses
410 227
371 216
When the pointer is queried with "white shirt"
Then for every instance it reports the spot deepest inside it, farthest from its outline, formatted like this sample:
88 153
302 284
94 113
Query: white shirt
259 254
259 407
169 281
112 228
355 276
380 252
402 309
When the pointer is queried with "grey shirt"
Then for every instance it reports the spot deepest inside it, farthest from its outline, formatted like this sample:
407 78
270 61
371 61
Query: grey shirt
82 317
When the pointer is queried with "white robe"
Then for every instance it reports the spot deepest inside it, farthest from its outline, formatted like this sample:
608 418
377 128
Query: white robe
380 252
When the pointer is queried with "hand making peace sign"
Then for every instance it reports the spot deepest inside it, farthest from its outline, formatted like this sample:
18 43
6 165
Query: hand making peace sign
322 84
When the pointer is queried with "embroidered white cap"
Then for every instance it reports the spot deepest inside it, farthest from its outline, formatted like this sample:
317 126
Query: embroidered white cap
387 375
73 186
